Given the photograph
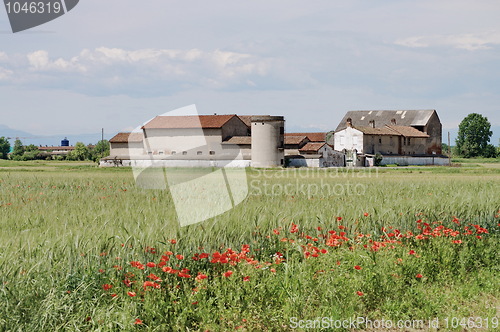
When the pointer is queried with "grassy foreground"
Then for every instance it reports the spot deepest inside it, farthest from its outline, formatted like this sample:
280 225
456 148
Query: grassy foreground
85 249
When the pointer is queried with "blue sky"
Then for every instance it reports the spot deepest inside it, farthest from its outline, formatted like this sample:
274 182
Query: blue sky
116 63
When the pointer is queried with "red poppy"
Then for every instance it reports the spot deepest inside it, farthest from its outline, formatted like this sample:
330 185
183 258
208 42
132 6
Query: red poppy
357 267
107 287
179 257
366 214
151 264
131 294
360 293
419 276
227 274
138 321
412 252
246 278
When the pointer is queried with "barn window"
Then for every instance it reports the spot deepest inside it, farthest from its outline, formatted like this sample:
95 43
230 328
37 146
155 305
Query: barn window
199 153
173 152
161 152
380 140
409 140
212 152
184 153
282 130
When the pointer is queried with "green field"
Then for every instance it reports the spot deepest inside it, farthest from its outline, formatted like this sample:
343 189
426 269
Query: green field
405 244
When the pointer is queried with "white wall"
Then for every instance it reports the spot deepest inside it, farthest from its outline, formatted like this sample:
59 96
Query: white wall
349 139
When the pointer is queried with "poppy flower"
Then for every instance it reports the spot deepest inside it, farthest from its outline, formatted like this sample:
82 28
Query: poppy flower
179 257
246 278
366 214
360 293
107 287
419 276
138 321
227 274
412 252
357 267
131 294
151 264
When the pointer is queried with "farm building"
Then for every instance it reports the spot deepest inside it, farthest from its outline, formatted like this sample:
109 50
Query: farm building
411 137
203 141
311 150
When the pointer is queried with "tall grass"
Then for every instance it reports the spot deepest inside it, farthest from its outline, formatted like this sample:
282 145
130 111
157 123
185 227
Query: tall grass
60 228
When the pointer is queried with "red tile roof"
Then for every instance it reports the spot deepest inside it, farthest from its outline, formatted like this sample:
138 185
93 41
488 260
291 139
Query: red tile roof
312 147
51 148
409 131
126 137
294 140
313 137
384 131
241 140
191 121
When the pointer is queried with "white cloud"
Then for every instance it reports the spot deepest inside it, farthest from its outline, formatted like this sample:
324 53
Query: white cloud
468 41
5 74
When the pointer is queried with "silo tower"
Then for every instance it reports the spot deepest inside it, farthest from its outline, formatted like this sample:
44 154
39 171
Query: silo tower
65 142
268 141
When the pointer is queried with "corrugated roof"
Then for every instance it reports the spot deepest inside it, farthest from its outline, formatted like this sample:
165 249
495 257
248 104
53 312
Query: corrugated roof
240 140
191 121
294 140
126 137
313 137
409 131
312 147
384 117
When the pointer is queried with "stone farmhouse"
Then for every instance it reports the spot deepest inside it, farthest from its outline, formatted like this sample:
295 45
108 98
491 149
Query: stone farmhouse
405 137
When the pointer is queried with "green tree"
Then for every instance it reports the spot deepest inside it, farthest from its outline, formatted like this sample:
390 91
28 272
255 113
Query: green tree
4 148
18 148
31 148
81 152
100 150
473 136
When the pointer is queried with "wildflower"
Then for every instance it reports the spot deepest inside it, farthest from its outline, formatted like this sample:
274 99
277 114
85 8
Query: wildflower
412 252
366 214
246 278
419 276
457 241
227 274
151 264
114 295
107 287
138 321
173 241
273 270
339 218
360 293
294 228
357 267
153 277
200 277
131 294
179 257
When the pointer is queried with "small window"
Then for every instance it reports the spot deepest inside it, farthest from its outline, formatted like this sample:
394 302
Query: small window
380 140
199 153
212 152
184 153
282 130
282 161
173 152
409 140
161 152
150 152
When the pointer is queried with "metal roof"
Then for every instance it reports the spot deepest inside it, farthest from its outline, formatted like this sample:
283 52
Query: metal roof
384 117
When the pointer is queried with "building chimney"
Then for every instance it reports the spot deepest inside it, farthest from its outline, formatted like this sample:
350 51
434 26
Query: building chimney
393 122
372 123
349 122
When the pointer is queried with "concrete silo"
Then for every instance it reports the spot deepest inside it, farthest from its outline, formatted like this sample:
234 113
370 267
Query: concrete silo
268 140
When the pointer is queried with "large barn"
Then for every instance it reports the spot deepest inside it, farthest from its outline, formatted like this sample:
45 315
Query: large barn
400 136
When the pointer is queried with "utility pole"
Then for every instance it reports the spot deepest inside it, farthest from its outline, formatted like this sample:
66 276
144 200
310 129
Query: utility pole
449 148
102 134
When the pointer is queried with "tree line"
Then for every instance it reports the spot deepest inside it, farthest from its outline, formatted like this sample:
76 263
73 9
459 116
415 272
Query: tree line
21 152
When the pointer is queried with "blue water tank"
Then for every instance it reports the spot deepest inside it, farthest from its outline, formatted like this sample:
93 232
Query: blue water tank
65 142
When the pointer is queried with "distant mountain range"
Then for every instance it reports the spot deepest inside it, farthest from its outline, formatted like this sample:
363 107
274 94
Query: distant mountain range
49 140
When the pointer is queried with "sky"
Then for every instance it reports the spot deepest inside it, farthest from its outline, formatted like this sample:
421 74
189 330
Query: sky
114 64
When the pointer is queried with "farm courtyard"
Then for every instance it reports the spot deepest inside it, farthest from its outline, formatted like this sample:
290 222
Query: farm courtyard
83 248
